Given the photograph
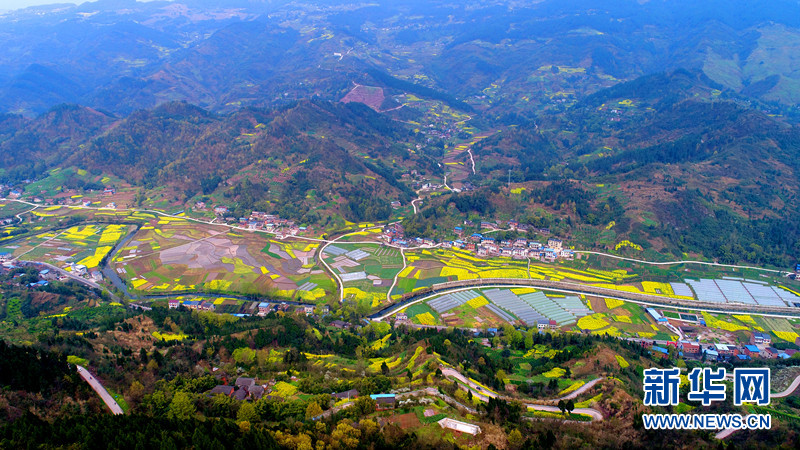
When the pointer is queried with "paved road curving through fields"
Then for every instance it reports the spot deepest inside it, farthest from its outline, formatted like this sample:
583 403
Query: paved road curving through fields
484 394
785 393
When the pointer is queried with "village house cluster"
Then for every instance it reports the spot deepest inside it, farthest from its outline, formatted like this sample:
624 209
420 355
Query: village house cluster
483 245
254 308
62 199
258 221
760 347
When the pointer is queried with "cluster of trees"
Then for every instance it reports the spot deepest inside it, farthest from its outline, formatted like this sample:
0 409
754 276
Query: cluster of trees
31 369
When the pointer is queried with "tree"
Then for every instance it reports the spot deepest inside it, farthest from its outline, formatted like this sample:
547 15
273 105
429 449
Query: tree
364 406
562 406
313 410
182 407
345 436
384 368
515 437
136 392
247 413
501 375
570 406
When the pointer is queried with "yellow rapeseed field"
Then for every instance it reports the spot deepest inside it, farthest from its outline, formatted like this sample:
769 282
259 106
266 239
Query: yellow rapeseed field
789 336
745 318
477 302
592 322
713 322
426 319
612 303
572 387
555 372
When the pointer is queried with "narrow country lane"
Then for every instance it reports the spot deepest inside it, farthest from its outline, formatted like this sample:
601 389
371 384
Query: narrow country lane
98 387
785 393
484 394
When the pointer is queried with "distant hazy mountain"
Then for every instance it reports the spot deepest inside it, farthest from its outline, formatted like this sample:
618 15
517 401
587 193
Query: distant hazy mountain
122 55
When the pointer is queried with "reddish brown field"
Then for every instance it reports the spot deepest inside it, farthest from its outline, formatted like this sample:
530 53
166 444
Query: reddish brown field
368 95
405 421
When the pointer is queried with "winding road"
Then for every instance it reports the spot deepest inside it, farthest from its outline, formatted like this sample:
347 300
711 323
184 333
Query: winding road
484 395
785 393
98 387
673 263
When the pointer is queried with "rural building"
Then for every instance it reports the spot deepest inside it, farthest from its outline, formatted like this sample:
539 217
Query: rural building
78 269
724 349
206 306
655 315
459 426
690 348
751 350
659 351
712 354
221 389
384 401
256 392
743 357
173 304
246 383
340 324
761 338
346 395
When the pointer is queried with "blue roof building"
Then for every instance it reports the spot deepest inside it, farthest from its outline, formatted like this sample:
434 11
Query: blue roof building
656 315
752 348
744 357
377 396
660 349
